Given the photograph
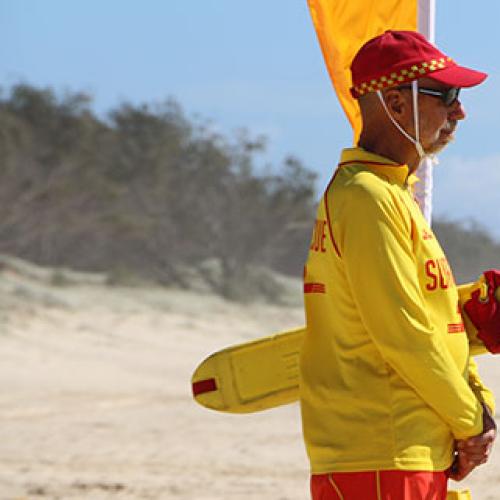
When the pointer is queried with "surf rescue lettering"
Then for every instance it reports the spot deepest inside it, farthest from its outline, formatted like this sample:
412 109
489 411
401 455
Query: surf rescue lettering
439 273
319 236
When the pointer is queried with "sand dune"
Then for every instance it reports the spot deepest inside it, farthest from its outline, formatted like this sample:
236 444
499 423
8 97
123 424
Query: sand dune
95 400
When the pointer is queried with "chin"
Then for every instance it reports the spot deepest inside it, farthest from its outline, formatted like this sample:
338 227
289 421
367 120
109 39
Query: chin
440 144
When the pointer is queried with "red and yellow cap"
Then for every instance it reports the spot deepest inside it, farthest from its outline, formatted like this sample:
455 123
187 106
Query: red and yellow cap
397 57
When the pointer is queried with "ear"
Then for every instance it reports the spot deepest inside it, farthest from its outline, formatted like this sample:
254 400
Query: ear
397 103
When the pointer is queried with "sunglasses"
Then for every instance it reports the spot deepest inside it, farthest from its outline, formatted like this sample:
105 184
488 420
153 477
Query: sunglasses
448 96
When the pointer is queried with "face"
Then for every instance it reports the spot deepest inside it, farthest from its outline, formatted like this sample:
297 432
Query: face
437 121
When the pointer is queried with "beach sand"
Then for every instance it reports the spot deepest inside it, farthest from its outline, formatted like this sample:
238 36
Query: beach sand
96 403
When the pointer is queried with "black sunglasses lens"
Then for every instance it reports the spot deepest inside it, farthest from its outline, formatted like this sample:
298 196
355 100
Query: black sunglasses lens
451 96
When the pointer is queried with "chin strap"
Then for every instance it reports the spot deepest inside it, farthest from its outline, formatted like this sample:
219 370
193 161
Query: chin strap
414 92
415 140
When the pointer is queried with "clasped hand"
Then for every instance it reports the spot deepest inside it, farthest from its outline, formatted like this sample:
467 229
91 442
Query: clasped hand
475 450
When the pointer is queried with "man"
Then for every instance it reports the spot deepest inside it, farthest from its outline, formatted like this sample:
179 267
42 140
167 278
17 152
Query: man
390 397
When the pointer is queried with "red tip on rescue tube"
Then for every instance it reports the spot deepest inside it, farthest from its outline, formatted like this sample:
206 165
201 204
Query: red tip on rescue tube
203 386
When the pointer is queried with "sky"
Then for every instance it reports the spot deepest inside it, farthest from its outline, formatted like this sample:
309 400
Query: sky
255 65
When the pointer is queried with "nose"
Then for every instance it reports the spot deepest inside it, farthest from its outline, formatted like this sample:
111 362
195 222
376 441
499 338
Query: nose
456 111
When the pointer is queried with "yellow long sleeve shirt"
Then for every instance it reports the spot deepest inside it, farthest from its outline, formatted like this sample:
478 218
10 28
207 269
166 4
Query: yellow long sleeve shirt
385 361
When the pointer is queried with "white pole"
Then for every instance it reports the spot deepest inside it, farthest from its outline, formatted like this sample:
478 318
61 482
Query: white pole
423 191
427 19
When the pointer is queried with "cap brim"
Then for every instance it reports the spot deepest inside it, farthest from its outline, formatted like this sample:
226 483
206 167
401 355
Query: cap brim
458 76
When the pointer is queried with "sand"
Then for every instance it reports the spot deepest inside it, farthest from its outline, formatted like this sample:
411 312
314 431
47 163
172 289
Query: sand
95 399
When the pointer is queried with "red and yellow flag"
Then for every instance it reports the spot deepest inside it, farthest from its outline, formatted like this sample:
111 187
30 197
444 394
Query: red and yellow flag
343 26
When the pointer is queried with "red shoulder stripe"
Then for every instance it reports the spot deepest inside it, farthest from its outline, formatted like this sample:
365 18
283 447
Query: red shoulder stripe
334 243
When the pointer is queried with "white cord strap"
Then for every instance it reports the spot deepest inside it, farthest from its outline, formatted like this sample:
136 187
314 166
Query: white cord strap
418 146
414 92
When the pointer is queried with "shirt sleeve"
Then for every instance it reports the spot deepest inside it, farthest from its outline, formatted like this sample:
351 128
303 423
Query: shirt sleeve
483 394
374 233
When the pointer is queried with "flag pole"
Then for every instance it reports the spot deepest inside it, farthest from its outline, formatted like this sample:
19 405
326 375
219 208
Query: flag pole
423 190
